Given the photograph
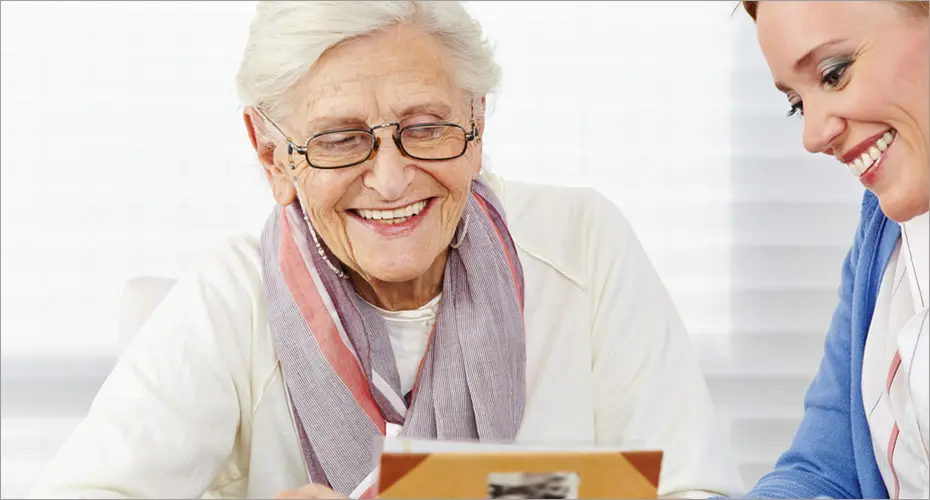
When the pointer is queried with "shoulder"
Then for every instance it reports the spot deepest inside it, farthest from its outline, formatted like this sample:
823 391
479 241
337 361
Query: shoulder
235 258
567 228
227 274
229 281
222 295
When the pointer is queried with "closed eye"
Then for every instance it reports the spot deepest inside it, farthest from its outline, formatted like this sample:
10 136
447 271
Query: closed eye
833 71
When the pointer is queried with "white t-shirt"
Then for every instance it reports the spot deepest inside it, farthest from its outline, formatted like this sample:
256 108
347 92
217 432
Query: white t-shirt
409 332
895 371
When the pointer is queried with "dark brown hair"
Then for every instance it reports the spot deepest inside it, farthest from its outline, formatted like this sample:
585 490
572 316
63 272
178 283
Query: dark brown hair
920 8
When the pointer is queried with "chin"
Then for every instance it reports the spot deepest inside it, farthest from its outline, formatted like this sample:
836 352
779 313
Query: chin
397 270
903 205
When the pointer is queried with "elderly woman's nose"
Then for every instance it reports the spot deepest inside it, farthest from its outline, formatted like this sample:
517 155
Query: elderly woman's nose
390 173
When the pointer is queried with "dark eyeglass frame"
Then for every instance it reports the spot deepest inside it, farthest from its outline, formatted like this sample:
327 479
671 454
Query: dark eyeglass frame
304 150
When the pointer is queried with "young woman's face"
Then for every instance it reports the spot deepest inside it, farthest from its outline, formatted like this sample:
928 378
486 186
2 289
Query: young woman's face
858 73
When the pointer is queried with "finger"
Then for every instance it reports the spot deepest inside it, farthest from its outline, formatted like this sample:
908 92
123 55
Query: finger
323 493
318 491
311 491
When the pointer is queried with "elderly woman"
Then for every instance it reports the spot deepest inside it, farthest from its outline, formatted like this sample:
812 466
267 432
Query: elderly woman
397 288
858 73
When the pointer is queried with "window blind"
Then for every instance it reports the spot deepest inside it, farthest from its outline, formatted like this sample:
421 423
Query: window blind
793 219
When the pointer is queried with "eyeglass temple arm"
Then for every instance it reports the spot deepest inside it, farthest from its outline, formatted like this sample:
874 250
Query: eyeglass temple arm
291 146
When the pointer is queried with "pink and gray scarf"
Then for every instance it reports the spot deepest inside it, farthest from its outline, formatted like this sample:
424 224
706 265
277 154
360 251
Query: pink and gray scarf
336 355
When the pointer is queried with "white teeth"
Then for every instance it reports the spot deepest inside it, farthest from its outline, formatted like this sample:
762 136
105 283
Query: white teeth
394 216
872 155
866 159
395 221
370 214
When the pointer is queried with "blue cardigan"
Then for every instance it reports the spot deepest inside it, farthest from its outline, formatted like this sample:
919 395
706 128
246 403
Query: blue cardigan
831 455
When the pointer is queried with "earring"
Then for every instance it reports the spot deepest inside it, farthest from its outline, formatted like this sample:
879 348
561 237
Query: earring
474 124
461 234
319 248
290 155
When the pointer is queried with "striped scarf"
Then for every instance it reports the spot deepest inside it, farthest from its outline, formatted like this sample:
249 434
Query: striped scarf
339 367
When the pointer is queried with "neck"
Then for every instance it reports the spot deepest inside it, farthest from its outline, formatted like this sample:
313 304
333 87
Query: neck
402 295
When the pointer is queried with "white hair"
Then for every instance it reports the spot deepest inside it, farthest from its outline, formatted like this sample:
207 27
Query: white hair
287 38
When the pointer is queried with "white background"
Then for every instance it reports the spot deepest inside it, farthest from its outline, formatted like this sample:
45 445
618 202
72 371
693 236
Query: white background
124 154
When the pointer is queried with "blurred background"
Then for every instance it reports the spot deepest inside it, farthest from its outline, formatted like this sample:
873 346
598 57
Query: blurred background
124 154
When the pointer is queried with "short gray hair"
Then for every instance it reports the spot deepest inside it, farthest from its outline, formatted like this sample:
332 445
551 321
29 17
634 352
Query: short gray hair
287 38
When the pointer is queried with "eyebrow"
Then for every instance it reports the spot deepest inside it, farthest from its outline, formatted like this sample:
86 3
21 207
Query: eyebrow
439 109
324 124
329 123
806 59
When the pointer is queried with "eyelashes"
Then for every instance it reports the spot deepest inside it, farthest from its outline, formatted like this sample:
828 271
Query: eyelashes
833 72
797 106
833 76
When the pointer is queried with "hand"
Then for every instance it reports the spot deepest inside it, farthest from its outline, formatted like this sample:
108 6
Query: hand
311 491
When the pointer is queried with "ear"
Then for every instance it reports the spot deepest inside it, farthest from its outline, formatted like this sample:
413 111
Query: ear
280 177
479 111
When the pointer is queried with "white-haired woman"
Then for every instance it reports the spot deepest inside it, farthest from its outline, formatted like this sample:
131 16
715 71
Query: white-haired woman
395 288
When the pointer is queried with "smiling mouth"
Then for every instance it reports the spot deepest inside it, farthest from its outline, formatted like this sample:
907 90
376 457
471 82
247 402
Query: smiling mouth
871 157
392 216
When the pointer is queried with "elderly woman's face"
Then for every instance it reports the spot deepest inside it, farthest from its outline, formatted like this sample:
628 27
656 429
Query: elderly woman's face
392 217
859 73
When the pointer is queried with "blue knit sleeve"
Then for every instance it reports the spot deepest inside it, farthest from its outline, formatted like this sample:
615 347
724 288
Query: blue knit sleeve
820 462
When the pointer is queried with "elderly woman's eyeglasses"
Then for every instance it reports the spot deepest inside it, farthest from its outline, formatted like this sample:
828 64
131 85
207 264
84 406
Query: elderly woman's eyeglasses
351 146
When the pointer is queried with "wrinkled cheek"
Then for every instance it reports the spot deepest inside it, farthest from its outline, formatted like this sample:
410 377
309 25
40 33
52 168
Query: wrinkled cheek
339 241
327 222
453 212
317 201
